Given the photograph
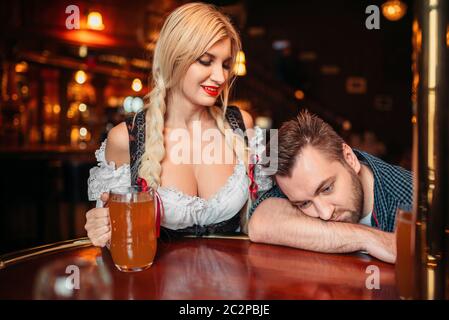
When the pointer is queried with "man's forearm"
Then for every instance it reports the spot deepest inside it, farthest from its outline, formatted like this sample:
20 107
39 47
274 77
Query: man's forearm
276 221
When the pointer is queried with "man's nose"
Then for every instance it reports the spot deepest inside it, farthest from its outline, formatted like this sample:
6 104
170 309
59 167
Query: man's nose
325 210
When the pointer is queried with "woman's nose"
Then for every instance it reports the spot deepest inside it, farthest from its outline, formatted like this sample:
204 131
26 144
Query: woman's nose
218 75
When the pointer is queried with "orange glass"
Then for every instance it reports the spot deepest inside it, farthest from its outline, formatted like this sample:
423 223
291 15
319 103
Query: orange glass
133 236
405 254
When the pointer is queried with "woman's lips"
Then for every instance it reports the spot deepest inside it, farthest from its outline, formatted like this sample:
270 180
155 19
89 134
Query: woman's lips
212 91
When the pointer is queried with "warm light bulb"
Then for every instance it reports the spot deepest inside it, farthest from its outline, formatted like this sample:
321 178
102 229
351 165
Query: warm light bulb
264 122
240 57
240 66
299 94
127 104
240 69
394 10
82 51
137 85
83 132
95 21
80 77
74 135
347 125
56 109
136 104
82 107
21 67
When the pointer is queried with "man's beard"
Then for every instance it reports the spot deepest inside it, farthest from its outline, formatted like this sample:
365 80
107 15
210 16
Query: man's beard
352 215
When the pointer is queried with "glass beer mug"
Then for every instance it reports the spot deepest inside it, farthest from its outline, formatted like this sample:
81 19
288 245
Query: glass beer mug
405 254
133 228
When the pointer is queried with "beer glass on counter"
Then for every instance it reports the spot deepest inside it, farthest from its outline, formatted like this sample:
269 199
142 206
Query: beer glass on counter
133 228
405 278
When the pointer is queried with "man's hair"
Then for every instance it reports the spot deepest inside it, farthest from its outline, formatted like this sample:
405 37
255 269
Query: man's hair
306 130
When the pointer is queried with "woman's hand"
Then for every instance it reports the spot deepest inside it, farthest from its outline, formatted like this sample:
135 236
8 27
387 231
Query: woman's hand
98 226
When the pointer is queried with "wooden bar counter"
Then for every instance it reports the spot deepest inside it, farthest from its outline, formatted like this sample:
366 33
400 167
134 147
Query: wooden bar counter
193 268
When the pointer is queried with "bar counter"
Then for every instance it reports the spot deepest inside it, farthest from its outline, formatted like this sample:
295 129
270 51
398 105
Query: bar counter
194 268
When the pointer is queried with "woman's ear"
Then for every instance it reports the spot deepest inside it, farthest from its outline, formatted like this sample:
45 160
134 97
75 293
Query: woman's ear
351 158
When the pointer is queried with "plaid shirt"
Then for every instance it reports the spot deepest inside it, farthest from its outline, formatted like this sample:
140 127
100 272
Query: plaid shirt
393 189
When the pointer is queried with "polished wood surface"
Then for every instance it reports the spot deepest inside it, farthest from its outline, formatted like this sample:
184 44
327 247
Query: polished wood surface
202 268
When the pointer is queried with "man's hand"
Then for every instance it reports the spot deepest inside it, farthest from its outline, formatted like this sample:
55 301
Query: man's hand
381 245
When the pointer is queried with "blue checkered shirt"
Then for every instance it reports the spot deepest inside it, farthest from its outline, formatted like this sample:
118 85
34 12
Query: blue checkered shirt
393 189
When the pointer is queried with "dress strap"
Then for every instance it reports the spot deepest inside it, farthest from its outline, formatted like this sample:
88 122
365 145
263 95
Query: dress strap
136 133
235 119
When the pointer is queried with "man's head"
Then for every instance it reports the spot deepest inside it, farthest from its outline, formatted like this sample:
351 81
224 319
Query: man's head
318 171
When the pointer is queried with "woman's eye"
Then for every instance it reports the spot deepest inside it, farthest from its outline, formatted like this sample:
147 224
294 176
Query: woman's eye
205 62
208 63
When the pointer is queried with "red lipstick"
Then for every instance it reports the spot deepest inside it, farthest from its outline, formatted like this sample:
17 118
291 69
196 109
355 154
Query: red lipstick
212 91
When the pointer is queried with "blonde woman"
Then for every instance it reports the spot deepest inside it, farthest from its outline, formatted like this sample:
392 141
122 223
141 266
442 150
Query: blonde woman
192 74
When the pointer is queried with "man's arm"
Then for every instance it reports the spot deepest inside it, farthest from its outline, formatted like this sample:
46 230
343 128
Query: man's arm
276 221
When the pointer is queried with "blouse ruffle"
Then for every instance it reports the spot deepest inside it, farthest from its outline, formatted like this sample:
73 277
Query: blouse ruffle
105 176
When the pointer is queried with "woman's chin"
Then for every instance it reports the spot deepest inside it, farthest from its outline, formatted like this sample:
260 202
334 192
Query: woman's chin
209 101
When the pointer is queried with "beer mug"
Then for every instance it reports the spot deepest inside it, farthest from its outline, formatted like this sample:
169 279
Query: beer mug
405 263
133 228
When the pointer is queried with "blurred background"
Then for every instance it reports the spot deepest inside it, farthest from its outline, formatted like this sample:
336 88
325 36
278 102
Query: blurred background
63 89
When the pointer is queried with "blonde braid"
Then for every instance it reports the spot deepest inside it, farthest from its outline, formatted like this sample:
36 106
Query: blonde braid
150 167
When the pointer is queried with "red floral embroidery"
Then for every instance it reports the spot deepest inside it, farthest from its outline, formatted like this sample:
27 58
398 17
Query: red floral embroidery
142 183
253 187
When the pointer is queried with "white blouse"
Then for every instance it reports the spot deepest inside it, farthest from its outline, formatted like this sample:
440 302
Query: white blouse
182 210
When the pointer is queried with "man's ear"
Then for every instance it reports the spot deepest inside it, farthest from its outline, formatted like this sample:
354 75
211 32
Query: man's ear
351 158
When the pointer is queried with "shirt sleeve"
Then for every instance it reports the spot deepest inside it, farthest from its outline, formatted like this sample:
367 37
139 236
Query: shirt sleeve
273 192
105 176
